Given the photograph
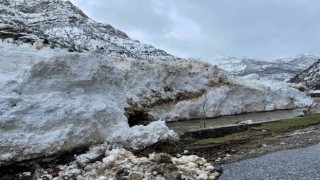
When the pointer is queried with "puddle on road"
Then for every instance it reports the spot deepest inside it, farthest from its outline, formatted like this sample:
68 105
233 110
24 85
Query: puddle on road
183 126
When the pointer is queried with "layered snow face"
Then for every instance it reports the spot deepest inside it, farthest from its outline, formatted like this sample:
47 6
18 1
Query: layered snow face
277 69
309 77
61 24
54 100
237 96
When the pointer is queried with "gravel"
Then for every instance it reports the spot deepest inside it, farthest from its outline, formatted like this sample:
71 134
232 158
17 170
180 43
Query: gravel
301 163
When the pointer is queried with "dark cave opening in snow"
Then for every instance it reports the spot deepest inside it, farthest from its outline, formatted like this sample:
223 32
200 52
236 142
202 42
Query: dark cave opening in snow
139 118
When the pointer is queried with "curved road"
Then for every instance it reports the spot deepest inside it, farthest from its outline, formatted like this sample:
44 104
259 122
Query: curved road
290 164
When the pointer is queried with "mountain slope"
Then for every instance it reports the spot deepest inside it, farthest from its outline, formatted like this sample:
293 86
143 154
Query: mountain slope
61 24
309 77
278 69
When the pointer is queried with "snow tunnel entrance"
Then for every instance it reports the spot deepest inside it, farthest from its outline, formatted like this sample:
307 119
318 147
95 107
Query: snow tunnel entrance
139 118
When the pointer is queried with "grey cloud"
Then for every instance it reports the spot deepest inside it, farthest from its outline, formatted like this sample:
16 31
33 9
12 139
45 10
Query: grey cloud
252 28
127 14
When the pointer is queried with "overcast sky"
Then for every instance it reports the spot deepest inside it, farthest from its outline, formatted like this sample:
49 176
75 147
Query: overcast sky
209 28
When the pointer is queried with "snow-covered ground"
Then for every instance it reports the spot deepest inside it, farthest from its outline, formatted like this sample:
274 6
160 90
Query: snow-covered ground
271 69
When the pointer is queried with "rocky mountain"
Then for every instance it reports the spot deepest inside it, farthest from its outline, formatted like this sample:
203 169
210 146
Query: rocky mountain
309 77
58 23
277 69
54 100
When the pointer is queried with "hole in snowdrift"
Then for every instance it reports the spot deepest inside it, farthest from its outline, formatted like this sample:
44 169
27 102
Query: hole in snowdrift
139 118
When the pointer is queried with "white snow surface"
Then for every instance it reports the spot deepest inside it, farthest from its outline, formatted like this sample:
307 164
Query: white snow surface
239 95
53 100
265 69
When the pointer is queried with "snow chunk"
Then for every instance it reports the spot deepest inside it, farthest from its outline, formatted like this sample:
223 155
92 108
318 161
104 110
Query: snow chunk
120 163
139 136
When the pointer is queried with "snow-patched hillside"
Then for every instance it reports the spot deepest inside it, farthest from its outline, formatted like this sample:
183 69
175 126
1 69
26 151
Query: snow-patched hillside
309 77
275 69
61 24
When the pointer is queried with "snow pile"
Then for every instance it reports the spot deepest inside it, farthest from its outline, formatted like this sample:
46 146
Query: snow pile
139 136
309 77
280 89
122 164
238 95
53 100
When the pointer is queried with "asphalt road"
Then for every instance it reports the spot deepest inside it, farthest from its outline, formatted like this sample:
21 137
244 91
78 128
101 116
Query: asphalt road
296 164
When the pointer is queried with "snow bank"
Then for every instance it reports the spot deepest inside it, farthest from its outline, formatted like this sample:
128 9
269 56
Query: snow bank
53 100
238 96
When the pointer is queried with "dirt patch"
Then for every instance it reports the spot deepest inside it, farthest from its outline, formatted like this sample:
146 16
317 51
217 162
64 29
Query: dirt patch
136 107
15 171
255 140
245 142
167 146
216 132
230 144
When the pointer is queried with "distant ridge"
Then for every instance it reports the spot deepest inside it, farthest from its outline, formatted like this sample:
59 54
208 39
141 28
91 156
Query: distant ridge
278 69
